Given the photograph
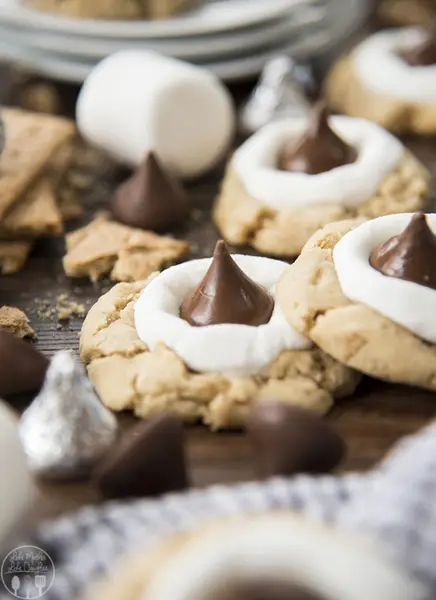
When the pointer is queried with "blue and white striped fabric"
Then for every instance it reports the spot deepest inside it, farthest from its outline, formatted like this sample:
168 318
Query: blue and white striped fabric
395 502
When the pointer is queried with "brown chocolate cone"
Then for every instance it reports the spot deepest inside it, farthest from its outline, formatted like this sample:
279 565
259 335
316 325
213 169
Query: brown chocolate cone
22 366
227 295
411 255
423 55
150 198
149 461
319 150
288 440
266 590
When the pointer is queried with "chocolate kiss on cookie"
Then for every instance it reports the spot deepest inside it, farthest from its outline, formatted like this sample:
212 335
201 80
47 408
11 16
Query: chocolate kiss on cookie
22 366
227 295
150 198
319 149
287 440
149 461
411 255
266 590
423 55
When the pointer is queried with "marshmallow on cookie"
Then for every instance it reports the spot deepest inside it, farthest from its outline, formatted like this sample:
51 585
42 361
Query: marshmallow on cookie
205 339
371 305
271 556
389 78
293 177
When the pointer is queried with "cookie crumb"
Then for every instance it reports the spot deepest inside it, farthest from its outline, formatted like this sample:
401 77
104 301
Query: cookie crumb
66 308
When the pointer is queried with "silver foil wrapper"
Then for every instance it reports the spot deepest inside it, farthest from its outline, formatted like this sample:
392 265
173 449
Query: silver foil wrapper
280 93
66 429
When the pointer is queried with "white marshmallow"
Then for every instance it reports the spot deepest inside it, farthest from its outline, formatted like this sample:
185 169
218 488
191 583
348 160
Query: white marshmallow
256 164
134 101
379 67
286 549
235 350
406 303
17 491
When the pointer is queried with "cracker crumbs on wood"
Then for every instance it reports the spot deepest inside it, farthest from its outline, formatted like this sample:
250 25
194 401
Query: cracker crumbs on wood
66 308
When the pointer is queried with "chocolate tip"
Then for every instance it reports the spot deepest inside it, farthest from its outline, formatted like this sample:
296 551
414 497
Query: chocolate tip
419 220
220 248
320 115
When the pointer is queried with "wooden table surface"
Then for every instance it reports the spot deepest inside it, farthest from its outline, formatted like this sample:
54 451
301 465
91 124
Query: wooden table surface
371 421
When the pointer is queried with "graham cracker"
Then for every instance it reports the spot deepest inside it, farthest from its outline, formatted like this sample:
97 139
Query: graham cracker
15 321
37 213
13 256
31 140
127 254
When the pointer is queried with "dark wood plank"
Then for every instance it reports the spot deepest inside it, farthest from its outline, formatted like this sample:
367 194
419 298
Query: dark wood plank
371 421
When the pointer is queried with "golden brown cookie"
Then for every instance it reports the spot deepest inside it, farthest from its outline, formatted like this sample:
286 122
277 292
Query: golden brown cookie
353 333
128 376
113 9
126 254
243 220
407 12
347 93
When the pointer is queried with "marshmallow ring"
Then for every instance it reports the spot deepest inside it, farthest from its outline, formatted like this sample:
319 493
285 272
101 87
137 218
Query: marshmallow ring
406 303
231 349
350 185
280 548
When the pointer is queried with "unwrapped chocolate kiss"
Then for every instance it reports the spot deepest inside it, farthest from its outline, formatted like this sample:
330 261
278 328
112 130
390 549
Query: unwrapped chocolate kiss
423 55
227 295
319 149
148 461
288 440
151 198
411 255
22 366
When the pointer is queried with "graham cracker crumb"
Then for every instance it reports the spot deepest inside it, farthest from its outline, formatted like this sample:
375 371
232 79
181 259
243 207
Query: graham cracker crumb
15 321
66 308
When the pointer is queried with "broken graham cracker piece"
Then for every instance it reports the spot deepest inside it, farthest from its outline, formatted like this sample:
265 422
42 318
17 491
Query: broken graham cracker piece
127 254
15 321
13 256
36 214
31 140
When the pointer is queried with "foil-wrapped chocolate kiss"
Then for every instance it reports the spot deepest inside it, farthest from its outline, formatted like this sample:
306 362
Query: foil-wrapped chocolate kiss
66 430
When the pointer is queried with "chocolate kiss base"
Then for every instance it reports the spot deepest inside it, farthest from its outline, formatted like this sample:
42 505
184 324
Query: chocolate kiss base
227 295
265 590
319 150
411 255
423 55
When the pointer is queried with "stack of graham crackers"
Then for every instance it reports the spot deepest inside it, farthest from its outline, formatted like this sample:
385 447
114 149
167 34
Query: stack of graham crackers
37 153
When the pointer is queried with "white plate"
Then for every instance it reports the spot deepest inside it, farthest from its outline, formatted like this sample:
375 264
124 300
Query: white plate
237 68
192 48
214 16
